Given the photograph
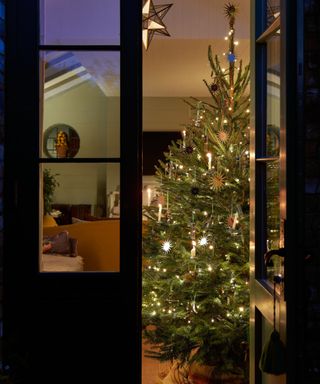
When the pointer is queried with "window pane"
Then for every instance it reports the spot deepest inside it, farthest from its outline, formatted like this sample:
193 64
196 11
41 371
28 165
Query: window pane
273 10
273 150
84 200
71 22
273 96
80 101
273 218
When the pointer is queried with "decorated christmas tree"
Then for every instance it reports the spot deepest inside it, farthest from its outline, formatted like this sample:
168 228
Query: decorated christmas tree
195 239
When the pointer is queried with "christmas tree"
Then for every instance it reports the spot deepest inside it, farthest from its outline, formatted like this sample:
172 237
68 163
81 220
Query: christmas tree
195 241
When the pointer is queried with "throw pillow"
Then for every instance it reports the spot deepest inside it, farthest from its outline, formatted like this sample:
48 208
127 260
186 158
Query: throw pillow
73 247
59 243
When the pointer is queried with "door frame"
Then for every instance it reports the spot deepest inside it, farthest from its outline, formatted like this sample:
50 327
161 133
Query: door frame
27 290
292 192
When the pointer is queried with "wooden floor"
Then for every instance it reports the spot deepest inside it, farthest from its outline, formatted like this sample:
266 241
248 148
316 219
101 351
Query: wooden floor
152 370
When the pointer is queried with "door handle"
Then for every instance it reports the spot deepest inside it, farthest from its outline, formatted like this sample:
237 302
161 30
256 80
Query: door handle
279 252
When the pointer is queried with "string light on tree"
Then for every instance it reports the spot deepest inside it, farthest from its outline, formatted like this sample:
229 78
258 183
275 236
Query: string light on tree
166 246
203 241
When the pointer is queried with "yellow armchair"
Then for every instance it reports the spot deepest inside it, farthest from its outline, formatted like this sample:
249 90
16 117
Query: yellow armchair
98 243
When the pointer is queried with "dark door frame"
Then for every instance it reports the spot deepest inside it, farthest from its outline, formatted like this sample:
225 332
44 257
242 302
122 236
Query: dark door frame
292 25
31 297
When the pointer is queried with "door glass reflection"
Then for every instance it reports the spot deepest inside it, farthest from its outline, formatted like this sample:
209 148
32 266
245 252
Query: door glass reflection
81 217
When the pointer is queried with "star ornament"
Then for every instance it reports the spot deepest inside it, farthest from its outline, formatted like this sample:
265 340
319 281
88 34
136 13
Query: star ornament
152 23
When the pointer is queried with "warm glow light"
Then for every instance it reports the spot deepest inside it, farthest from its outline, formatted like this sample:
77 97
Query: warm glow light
203 241
209 156
149 196
166 246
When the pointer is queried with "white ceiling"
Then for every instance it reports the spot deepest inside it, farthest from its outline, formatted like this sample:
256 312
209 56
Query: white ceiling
175 66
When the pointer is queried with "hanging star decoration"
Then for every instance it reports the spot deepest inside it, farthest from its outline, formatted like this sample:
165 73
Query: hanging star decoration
152 23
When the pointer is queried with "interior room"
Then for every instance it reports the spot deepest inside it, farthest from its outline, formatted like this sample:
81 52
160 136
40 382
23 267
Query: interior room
81 97
174 68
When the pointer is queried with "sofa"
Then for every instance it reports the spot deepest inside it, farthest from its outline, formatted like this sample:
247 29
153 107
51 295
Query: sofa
98 243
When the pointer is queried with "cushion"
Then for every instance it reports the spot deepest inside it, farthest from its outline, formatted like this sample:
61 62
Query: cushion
61 244
73 247
49 221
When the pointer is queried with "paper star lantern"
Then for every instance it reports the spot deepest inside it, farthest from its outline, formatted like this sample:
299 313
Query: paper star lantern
152 23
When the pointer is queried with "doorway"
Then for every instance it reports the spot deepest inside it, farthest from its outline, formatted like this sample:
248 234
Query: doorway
174 70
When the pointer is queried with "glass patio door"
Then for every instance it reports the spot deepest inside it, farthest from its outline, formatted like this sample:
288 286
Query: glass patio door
73 110
268 190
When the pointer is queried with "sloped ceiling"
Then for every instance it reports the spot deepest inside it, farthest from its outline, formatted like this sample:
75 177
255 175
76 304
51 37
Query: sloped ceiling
175 66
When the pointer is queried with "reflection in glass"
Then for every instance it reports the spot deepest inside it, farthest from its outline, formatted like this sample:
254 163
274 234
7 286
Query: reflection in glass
273 217
273 151
81 218
273 10
79 22
61 141
273 96
82 90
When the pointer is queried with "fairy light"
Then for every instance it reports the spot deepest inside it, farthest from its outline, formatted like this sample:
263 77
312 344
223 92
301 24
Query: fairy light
209 268
241 309
210 247
166 246
225 121
236 43
203 241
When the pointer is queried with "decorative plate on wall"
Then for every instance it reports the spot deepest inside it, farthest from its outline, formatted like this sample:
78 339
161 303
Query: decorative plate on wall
61 141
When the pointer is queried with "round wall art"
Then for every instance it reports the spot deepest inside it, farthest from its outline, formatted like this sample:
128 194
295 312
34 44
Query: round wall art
61 141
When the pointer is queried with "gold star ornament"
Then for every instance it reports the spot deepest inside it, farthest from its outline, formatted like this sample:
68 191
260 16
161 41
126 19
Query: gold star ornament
152 23
217 181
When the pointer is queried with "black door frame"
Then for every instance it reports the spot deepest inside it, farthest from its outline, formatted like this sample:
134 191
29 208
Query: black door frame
29 294
292 24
